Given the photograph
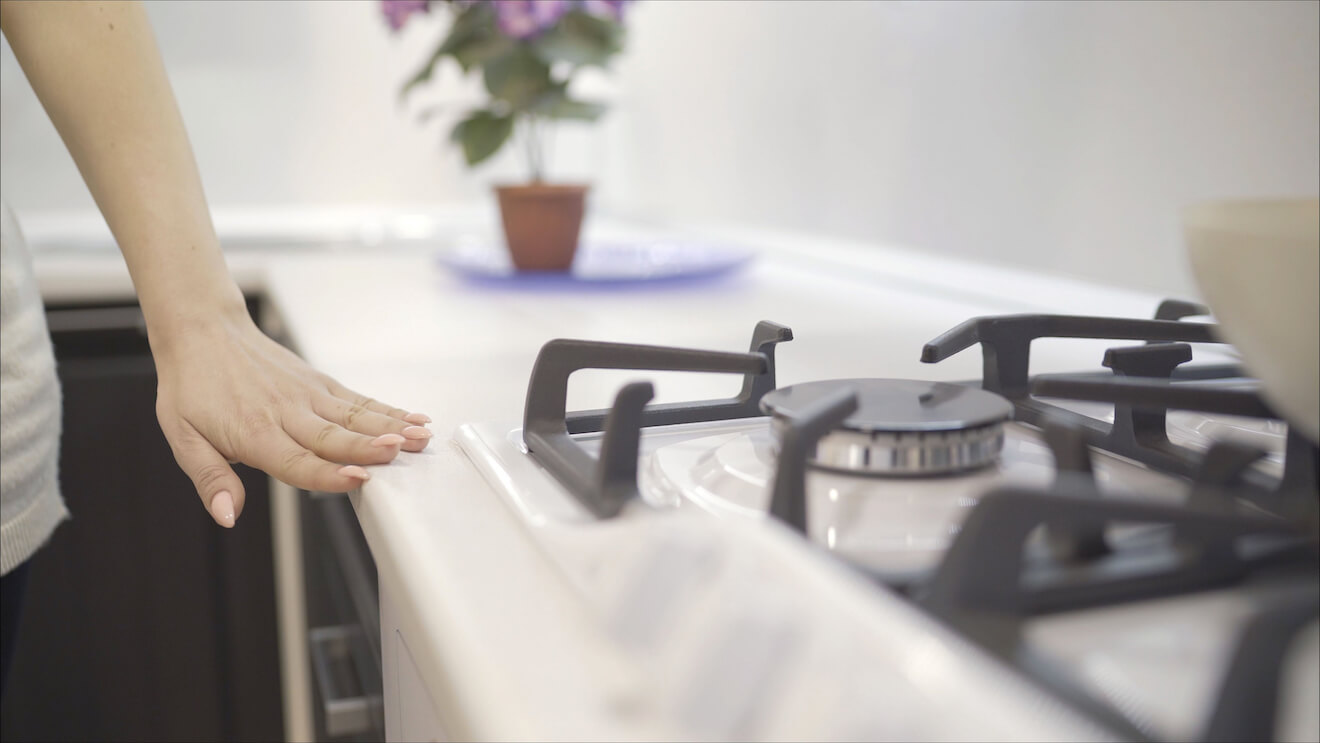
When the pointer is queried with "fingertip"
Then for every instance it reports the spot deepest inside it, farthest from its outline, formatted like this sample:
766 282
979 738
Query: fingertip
210 473
355 472
415 446
417 433
388 439
222 509
420 419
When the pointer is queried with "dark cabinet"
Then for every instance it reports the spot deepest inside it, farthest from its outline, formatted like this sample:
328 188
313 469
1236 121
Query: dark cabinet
143 619
343 614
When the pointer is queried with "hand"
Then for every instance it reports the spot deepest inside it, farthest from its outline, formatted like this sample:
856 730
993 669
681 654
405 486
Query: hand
227 393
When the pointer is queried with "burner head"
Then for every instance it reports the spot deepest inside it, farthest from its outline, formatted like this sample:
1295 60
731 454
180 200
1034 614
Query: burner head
902 427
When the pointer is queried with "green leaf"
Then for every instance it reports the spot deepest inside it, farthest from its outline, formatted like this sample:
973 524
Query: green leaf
474 23
422 75
471 35
482 134
580 39
481 50
554 103
518 77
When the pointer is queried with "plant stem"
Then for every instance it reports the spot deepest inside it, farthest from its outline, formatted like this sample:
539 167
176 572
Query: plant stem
547 143
534 154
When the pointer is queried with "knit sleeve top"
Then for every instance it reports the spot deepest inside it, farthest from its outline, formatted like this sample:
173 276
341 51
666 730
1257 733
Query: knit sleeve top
30 502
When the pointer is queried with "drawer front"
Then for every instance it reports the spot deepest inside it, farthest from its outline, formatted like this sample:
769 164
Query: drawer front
343 612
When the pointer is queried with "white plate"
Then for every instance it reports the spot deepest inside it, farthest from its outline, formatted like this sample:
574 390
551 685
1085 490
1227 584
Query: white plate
604 262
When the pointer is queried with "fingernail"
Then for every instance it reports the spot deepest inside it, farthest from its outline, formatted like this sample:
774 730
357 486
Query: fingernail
387 439
222 508
418 418
416 433
352 470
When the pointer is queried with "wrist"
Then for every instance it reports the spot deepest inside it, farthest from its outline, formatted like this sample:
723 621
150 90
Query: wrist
171 321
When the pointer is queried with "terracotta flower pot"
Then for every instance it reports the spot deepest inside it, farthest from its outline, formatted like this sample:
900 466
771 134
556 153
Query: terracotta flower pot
541 224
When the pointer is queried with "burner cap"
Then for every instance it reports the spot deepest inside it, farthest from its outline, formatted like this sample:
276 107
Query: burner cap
899 405
902 427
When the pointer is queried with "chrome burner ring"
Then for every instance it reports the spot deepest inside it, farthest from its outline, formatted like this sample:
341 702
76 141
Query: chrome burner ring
901 427
908 453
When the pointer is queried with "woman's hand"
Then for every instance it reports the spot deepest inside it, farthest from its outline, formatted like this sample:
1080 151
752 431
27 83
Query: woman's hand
228 393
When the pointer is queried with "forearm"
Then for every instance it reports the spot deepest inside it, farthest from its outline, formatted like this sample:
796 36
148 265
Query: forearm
96 69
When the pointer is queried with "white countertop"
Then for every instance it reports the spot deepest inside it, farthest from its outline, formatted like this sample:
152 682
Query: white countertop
390 322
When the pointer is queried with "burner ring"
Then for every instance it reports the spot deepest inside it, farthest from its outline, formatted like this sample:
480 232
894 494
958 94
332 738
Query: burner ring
902 427
909 453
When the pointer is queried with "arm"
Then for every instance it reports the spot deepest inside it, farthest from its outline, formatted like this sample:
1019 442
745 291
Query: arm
226 392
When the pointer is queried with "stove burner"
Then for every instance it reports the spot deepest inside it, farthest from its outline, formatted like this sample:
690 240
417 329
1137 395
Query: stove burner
902 427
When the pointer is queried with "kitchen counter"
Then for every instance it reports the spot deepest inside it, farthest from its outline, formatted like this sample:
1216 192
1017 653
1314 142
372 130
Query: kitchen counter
482 620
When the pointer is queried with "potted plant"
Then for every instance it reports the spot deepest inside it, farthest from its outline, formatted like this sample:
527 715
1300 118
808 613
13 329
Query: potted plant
527 52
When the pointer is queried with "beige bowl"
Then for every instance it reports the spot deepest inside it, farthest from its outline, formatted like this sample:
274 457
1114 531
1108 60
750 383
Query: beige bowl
1257 264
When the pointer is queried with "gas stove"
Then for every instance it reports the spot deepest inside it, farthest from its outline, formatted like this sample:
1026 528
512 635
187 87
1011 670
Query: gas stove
1127 553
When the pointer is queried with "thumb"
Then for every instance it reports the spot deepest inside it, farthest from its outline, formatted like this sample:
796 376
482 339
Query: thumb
220 489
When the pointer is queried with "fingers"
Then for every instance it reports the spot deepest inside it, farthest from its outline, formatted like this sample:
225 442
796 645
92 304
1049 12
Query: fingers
282 457
220 489
331 441
286 455
375 406
229 393
360 416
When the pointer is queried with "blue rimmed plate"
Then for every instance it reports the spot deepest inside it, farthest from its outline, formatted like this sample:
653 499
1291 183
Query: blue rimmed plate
603 261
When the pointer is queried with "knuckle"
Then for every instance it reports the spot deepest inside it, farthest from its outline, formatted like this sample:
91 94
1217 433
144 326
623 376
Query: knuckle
255 421
294 459
355 411
210 477
323 435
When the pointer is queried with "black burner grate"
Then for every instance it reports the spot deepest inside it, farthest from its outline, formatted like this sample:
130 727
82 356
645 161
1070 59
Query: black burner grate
1236 523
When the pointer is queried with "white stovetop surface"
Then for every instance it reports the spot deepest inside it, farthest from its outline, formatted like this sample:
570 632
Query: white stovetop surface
490 627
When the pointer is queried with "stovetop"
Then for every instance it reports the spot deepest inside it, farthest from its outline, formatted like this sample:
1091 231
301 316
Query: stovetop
1139 559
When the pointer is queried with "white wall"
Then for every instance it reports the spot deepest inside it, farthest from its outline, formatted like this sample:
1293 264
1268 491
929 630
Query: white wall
1061 135
285 102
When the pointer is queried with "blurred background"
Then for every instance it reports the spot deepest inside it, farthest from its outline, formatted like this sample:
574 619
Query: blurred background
1064 136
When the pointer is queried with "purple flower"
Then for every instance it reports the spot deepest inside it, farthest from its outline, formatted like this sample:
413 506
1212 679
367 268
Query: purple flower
523 19
397 12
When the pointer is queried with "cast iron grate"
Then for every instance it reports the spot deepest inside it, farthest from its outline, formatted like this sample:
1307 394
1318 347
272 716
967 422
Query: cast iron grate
1235 524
